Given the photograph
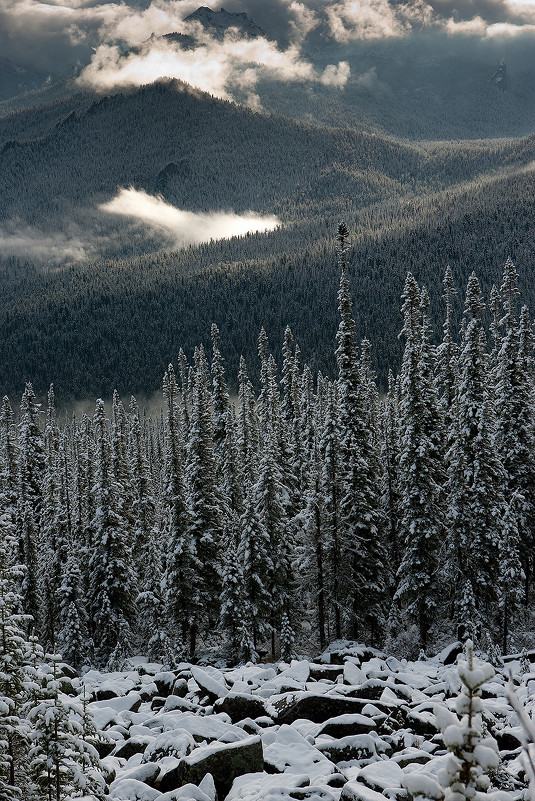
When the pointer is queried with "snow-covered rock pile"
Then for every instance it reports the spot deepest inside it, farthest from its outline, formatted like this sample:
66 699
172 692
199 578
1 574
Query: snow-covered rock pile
351 725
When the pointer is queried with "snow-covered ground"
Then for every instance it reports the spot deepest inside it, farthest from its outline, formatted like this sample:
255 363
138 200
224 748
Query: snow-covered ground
353 724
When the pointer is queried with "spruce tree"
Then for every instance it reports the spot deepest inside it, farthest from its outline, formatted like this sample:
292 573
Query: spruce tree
269 495
511 578
361 522
421 471
476 478
207 508
112 580
234 608
14 678
256 566
180 560
59 753
515 412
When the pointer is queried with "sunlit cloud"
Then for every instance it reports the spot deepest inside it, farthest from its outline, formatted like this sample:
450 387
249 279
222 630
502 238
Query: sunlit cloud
220 67
185 227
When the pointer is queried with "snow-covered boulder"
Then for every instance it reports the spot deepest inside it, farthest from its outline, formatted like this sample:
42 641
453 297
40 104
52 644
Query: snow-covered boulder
240 706
289 752
223 761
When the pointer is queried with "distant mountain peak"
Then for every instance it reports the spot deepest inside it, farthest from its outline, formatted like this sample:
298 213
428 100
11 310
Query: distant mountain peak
217 22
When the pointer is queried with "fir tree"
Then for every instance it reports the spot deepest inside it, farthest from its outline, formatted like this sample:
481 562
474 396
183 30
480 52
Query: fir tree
515 411
511 578
269 496
59 753
234 609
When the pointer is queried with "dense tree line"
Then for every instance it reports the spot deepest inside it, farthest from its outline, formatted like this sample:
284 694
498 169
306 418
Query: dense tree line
404 519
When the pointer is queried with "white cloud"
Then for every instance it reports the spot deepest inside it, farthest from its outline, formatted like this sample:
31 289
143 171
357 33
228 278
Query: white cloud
185 227
336 76
220 67
371 82
370 19
17 239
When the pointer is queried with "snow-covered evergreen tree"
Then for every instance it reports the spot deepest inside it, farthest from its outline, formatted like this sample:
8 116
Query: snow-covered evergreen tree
256 565
471 754
511 578
208 511
476 477
59 753
361 522
180 565
112 580
14 678
515 410
421 471
234 607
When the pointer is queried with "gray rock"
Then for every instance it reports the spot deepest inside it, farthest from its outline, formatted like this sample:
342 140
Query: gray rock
224 761
239 706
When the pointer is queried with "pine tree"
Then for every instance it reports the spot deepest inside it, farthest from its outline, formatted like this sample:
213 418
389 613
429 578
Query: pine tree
515 411
316 551
120 465
269 496
447 358
50 579
73 636
247 433
31 463
31 602
32 456
146 552
9 462
471 754
234 608
511 578
221 399
330 482
391 477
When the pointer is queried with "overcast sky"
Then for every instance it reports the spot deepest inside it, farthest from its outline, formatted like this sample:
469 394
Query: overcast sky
97 37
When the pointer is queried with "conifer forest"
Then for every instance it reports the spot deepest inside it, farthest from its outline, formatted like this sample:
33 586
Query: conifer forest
267 416
257 527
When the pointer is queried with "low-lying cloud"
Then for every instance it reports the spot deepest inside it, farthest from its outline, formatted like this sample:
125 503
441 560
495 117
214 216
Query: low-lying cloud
185 227
25 241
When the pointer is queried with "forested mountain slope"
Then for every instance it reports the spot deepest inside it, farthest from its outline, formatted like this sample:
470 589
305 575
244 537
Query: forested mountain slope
91 328
202 153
